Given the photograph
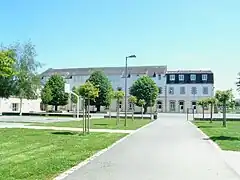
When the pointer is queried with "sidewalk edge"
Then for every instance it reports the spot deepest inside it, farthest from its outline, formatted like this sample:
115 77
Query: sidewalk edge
86 161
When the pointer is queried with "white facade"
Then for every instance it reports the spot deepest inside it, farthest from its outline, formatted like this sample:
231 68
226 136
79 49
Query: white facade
182 96
13 105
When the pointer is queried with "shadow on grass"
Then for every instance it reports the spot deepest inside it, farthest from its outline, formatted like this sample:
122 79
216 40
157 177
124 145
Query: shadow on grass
66 133
222 138
206 126
100 124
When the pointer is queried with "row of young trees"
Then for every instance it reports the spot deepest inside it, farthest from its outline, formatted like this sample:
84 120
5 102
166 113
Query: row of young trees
19 72
222 99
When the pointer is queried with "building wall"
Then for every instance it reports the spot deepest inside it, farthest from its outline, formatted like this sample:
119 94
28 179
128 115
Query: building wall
13 105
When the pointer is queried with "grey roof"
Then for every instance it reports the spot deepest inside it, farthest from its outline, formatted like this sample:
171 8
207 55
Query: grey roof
107 70
189 72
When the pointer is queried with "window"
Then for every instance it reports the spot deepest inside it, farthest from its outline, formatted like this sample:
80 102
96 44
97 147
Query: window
172 106
159 77
14 106
194 90
181 77
171 90
154 74
160 90
182 90
172 77
193 77
120 105
205 90
159 104
130 106
204 77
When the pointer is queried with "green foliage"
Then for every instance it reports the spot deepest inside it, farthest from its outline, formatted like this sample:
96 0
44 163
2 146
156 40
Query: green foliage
132 99
212 100
100 81
56 84
224 97
202 102
7 61
7 86
46 95
89 91
145 88
141 102
27 79
118 95
73 97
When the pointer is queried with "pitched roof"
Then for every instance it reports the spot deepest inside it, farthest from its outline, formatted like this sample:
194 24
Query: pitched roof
107 70
190 72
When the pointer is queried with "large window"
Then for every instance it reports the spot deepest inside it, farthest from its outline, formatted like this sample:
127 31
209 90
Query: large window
172 77
181 77
193 77
205 90
194 90
160 90
204 77
171 90
182 90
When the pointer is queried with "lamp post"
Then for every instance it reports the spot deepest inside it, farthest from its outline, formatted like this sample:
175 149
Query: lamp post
132 56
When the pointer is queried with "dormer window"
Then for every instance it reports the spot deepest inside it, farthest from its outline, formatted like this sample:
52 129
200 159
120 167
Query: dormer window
204 77
172 77
129 75
181 77
193 77
154 74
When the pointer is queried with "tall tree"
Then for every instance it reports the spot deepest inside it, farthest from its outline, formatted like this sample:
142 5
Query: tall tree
56 85
118 95
46 96
7 87
27 78
100 81
89 92
145 88
7 62
224 99
203 103
133 101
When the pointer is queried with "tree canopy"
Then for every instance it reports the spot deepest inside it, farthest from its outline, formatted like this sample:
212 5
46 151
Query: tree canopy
88 91
145 88
56 84
100 81
7 62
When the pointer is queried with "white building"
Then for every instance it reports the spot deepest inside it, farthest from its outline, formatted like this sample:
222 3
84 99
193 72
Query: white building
184 88
178 90
78 76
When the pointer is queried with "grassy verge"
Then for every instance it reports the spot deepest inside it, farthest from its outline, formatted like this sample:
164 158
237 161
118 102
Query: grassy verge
227 138
101 124
37 154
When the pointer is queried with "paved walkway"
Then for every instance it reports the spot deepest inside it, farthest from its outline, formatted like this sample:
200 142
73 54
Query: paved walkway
20 125
169 149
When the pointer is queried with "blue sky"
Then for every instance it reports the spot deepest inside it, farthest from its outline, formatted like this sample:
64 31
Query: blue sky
183 34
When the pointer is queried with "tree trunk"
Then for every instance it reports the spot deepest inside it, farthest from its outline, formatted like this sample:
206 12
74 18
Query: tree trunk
117 113
83 116
20 108
88 115
110 114
46 109
98 108
203 112
142 111
145 109
224 115
132 112
55 108
211 113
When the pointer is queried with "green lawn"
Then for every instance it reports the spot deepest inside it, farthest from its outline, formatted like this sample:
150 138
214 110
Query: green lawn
101 124
227 138
37 154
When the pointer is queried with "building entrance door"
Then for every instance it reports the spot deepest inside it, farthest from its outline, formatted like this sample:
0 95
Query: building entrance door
181 107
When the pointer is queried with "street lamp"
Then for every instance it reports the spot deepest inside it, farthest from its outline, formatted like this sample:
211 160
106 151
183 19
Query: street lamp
132 56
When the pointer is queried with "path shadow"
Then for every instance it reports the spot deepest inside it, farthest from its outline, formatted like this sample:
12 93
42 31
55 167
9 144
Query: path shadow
222 138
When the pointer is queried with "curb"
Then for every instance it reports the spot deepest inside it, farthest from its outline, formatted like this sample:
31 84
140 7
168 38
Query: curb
219 150
86 161
207 137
